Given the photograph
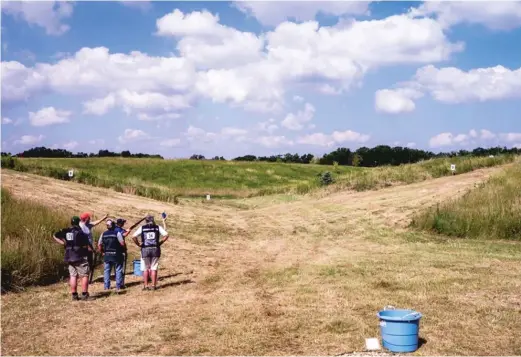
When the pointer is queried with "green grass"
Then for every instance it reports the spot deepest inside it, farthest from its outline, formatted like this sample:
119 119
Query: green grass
490 211
29 254
166 180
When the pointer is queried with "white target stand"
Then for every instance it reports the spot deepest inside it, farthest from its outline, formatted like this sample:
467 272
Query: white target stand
71 173
453 168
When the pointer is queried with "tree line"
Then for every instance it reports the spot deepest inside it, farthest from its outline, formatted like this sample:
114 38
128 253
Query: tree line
380 155
61 153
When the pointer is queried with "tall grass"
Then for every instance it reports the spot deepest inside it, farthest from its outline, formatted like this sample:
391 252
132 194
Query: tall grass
490 211
166 180
29 254
406 174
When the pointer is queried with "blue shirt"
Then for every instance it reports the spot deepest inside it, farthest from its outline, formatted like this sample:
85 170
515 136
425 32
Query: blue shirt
120 230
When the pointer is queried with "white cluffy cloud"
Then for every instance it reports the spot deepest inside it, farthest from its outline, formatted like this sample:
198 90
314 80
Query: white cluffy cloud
452 85
6 120
49 116
296 121
29 139
396 101
226 65
46 14
337 137
272 12
70 145
133 135
496 15
473 137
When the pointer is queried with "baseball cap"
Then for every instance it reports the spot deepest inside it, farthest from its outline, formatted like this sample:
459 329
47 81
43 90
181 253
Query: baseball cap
149 218
121 221
84 216
75 220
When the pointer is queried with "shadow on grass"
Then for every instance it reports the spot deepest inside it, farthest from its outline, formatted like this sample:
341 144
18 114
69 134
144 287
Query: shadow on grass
160 278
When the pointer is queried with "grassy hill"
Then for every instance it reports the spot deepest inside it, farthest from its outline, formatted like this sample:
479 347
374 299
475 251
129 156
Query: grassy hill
167 179
490 211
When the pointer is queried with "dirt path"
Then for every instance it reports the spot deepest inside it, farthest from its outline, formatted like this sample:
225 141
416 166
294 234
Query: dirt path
232 280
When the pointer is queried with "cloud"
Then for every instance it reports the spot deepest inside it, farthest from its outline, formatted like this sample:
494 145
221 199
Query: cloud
46 14
296 121
452 85
337 137
411 145
328 89
496 15
6 120
298 98
198 134
228 131
272 13
473 137
511 137
207 43
395 101
133 135
29 139
97 142
142 5
49 116
171 142
267 126
226 65
70 145
274 141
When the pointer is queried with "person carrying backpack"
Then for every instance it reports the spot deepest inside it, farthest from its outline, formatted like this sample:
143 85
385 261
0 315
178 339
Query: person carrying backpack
77 248
150 246
112 246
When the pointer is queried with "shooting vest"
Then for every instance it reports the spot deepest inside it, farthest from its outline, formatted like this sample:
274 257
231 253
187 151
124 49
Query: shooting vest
150 241
76 243
111 246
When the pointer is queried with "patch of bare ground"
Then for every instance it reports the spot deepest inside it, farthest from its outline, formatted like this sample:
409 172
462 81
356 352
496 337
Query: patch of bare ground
304 277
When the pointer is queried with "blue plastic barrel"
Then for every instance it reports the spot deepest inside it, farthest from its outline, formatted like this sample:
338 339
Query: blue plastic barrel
399 329
137 267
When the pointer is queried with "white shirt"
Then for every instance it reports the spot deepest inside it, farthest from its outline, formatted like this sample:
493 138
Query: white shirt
87 229
140 230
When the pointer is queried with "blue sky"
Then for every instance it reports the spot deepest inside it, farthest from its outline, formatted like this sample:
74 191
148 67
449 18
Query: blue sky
236 78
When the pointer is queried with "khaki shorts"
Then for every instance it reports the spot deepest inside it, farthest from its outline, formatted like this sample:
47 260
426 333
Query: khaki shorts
80 268
151 263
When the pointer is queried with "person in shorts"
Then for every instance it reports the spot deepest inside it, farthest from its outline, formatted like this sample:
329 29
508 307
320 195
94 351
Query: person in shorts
77 248
87 226
150 245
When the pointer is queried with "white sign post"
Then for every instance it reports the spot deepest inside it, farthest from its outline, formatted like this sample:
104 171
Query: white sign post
71 173
453 168
208 197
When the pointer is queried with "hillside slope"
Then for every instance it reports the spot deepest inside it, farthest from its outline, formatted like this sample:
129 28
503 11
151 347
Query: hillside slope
302 277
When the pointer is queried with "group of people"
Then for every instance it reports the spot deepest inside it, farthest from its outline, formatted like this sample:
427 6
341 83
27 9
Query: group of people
80 249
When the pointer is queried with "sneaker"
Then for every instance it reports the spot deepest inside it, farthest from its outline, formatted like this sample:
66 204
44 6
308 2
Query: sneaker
153 288
86 296
146 288
75 297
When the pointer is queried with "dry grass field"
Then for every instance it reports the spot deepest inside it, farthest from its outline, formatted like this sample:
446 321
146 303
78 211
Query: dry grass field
278 276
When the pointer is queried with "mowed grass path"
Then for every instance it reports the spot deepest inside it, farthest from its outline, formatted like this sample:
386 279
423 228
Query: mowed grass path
165 180
298 278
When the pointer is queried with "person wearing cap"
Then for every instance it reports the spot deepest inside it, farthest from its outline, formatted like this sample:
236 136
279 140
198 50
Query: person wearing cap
150 249
77 247
112 245
86 225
